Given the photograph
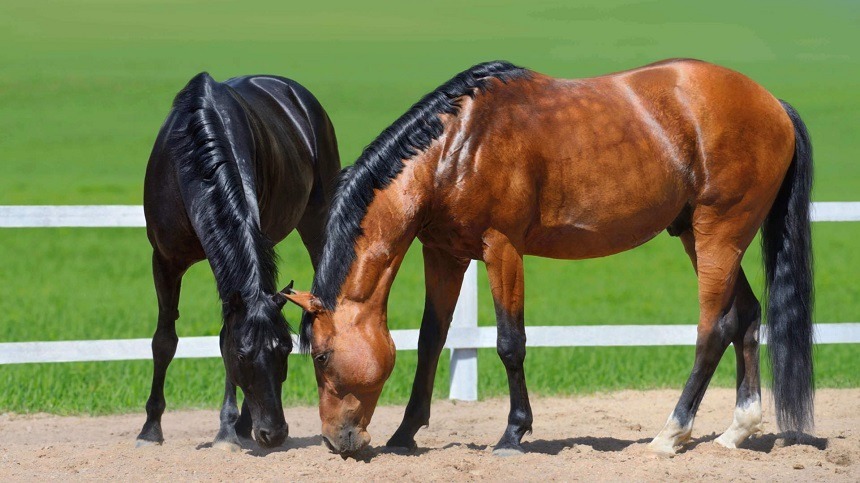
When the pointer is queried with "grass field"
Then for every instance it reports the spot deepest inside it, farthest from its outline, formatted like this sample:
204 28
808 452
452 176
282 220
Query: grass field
84 87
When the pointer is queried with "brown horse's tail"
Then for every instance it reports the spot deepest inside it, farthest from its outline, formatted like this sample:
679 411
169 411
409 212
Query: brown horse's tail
787 253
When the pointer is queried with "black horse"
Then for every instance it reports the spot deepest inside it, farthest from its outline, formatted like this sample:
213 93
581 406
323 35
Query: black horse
235 168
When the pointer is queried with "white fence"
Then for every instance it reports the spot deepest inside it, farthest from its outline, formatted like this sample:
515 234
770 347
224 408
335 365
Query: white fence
464 338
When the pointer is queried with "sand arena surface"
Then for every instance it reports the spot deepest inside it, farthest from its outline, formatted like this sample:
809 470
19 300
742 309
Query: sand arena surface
600 437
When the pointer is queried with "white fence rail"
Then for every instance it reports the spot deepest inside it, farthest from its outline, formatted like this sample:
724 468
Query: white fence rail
467 340
115 216
464 339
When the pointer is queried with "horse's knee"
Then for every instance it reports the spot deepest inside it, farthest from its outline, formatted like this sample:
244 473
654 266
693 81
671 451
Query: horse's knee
164 342
430 338
511 349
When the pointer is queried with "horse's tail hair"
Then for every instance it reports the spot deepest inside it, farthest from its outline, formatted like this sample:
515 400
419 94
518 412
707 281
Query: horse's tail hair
787 253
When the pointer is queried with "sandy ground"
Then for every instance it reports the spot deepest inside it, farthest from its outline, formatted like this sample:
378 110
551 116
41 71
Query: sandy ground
598 437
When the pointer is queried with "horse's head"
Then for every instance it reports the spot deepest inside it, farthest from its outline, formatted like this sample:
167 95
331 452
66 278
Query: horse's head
353 356
255 343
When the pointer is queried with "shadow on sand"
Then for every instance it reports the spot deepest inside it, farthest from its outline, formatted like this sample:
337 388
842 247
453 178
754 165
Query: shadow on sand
252 448
556 446
765 443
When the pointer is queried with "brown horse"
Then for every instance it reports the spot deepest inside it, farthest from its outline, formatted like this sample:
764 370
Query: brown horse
501 162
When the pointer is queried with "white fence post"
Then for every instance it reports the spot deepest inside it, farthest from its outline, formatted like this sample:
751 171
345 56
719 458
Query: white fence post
464 362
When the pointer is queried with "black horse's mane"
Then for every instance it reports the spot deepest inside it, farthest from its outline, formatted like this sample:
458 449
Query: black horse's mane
380 163
242 258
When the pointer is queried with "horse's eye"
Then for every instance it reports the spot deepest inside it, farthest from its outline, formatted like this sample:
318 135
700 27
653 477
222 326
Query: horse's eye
321 359
241 357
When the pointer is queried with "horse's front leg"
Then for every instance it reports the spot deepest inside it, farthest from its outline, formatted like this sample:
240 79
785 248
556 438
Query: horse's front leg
233 424
227 439
505 273
443 277
244 425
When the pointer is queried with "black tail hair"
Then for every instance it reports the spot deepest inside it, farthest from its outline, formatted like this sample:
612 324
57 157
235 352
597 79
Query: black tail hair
787 253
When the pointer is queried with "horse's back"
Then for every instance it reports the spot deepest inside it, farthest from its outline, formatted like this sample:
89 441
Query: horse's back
270 132
299 154
286 104
730 135
591 167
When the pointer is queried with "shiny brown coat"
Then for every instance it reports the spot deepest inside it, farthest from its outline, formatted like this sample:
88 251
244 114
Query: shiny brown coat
567 169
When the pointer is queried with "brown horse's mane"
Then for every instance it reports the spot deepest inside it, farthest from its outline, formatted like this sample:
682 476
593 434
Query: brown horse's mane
380 163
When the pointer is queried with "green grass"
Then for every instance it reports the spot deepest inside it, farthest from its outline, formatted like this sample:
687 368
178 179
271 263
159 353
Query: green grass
84 87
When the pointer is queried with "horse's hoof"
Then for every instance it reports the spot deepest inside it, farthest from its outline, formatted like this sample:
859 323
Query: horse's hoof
508 450
227 446
661 448
725 442
401 445
143 443
401 450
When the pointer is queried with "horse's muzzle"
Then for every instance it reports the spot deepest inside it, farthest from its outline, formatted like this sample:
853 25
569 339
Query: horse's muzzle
271 437
349 441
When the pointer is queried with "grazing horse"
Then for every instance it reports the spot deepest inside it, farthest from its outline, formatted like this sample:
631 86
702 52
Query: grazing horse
235 168
501 162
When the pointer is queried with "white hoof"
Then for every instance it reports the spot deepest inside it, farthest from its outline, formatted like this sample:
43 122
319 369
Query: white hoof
227 446
746 423
726 441
142 443
662 447
507 452
671 436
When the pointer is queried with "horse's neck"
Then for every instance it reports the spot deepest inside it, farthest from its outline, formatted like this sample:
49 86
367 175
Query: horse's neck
239 253
388 229
243 266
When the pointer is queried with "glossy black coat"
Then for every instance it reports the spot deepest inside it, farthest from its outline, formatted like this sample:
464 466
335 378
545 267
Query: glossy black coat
235 168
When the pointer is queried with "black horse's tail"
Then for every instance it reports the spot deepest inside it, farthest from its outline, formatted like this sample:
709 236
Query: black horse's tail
787 253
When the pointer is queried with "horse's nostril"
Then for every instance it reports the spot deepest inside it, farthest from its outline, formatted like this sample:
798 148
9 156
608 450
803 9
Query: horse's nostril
350 438
264 436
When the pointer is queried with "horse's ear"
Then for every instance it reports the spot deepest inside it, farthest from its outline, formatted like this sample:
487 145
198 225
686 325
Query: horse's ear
306 300
280 298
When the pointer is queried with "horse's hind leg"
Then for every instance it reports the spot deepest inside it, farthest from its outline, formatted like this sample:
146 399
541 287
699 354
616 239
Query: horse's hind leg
507 284
716 254
443 277
747 416
167 275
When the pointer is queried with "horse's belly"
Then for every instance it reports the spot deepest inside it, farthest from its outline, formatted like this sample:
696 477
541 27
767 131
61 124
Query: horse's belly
607 230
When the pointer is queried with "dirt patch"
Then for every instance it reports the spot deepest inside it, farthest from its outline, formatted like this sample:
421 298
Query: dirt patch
599 437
